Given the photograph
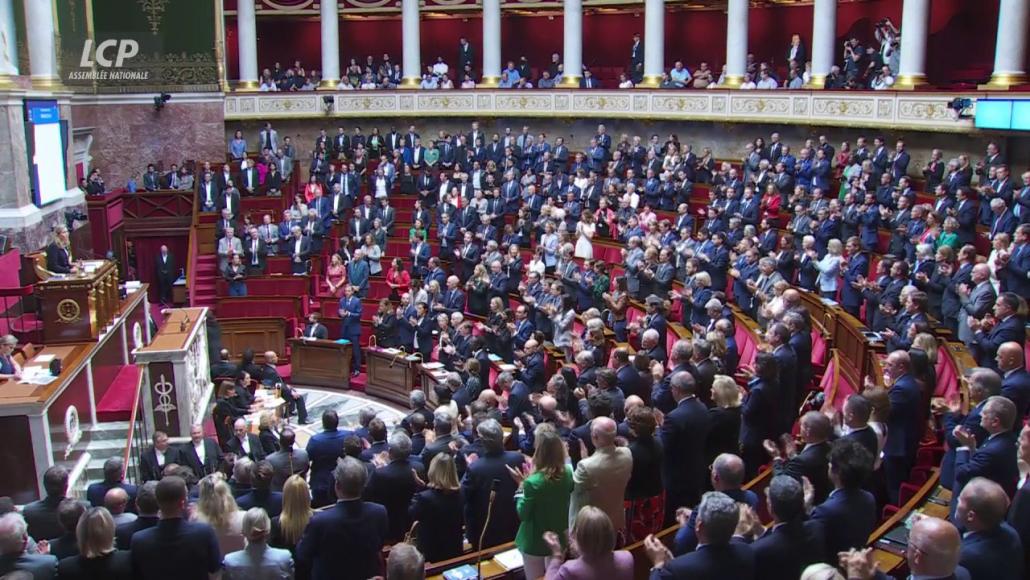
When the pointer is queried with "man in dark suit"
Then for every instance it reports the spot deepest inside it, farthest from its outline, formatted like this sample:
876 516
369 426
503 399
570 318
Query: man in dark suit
114 475
229 199
166 273
996 458
792 543
466 55
442 427
903 425
683 436
727 476
848 515
1008 328
983 384
938 559
160 454
269 376
489 475
1019 511
988 541
1015 383
14 556
812 460
393 484
324 449
298 248
41 516
245 443
261 495
717 556
314 328
201 454
857 410
146 506
778 336
175 547
344 541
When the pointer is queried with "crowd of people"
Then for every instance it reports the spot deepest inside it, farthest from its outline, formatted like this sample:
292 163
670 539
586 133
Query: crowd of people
872 67
629 438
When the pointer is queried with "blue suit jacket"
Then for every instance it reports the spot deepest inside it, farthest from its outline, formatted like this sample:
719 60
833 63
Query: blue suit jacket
1016 387
734 560
759 413
995 460
785 550
357 275
1008 330
324 448
686 537
848 517
95 493
903 422
683 434
344 541
970 422
858 265
351 325
997 554
1019 519
176 548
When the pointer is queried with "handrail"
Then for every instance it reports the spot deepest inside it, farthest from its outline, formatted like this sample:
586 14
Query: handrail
132 424
191 253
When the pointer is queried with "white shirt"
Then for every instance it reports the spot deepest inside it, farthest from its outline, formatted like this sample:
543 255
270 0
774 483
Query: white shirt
200 450
440 69
381 187
296 246
245 443
766 83
160 456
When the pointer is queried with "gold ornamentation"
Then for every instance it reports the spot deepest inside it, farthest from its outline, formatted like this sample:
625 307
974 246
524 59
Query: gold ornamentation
679 104
154 10
68 311
609 103
768 105
838 107
449 102
924 110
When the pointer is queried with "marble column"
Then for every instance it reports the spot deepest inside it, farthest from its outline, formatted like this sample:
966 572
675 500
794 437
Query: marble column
41 31
246 29
329 16
654 42
1010 50
9 48
411 65
915 25
573 66
736 43
491 43
824 36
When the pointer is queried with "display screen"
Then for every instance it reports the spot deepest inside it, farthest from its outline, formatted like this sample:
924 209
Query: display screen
993 114
46 149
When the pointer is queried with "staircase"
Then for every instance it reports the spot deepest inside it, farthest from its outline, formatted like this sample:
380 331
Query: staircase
205 276
101 442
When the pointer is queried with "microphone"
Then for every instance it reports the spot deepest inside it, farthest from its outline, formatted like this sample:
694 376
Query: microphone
486 524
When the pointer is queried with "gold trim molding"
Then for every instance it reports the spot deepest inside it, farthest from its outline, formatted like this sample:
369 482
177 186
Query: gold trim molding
920 111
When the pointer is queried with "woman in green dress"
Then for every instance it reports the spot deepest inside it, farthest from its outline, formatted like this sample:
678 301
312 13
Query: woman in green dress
542 500
949 237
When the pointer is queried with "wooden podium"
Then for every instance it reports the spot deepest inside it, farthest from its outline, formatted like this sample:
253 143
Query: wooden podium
177 388
320 363
391 374
77 307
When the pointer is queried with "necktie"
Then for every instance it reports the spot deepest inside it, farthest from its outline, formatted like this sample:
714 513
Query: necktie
254 253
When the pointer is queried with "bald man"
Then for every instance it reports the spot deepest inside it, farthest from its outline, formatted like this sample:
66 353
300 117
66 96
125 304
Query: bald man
1015 382
903 426
600 479
244 443
975 300
996 458
116 500
988 540
933 550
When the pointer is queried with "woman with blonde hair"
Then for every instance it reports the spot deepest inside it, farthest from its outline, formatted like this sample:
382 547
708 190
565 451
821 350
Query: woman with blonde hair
97 557
593 539
717 340
216 507
542 499
439 512
725 413
289 525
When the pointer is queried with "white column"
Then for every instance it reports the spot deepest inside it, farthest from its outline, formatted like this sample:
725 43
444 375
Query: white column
9 48
573 66
824 35
654 42
491 43
1010 51
329 14
915 24
246 29
39 20
736 42
411 65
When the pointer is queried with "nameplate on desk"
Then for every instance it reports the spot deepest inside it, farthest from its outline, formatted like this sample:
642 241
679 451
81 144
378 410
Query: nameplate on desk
432 366
872 336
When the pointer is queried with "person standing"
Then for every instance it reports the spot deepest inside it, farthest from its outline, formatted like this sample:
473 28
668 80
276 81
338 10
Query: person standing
258 560
166 273
175 547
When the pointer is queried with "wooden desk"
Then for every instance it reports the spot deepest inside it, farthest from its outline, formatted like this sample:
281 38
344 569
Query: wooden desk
320 363
77 307
390 376
891 557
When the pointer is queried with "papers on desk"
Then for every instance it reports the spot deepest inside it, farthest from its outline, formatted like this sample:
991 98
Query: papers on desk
36 376
432 366
510 559
132 285
463 572
43 358
506 368
873 336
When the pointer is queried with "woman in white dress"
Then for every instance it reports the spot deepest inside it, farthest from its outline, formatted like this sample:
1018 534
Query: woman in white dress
585 229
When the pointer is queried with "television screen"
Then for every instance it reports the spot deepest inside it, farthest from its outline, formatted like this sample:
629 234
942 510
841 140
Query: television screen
993 114
1021 115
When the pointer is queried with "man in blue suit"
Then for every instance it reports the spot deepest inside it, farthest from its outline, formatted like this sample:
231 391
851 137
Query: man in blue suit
357 273
1008 328
114 469
1017 270
717 556
489 474
727 476
848 515
683 437
937 557
1019 512
324 449
996 458
1015 382
858 267
175 547
983 384
792 543
350 312
903 426
344 542
991 548
812 461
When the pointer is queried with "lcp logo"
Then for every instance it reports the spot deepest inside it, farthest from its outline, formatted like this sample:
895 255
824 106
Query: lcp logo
126 49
